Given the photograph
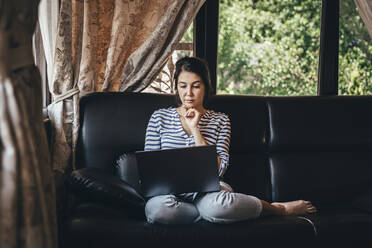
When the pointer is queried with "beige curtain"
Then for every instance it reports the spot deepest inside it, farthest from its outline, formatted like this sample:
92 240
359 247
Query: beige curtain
146 62
94 40
365 11
27 197
48 28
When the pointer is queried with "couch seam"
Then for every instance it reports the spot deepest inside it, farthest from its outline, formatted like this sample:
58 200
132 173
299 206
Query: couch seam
312 223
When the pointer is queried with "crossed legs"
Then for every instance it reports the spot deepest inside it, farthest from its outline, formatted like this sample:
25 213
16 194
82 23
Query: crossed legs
218 207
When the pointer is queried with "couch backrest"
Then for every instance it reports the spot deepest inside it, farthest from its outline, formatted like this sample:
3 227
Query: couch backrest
320 148
114 123
282 148
248 171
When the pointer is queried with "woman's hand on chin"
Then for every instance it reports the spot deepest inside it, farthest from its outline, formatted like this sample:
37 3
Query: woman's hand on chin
191 117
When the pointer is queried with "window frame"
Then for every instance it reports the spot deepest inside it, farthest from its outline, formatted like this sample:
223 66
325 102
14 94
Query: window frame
328 51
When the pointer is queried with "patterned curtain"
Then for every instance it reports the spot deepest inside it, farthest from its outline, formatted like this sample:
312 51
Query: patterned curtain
95 43
365 11
27 195
147 61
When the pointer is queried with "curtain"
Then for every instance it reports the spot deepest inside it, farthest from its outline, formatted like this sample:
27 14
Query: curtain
27 196
48 28
365 11
146 62
95 41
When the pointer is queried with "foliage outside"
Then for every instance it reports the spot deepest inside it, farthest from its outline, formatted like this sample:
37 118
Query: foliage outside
355 52
271 48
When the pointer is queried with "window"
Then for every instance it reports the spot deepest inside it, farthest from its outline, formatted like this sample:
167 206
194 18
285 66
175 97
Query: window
355 52
164 81
268 47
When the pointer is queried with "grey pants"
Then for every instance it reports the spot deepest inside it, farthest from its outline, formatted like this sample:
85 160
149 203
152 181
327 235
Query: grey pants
217 207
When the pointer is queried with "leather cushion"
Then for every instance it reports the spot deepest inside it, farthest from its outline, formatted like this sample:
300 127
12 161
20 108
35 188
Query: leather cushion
112 123
364 202
249 121
94 226
321 177
96 185
342 227
314 123
126 169
249 173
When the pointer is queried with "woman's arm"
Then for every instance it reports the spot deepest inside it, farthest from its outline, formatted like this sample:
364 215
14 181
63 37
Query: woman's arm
198 137
152 140
223 144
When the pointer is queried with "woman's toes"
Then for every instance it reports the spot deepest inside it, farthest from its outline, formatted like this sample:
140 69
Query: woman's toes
311 209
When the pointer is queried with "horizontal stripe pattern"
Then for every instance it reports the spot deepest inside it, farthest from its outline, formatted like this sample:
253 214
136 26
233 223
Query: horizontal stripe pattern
165 131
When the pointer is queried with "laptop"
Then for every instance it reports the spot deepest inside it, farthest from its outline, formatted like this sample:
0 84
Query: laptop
178 170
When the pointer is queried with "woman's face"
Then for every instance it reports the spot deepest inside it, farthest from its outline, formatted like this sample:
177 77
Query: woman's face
190 89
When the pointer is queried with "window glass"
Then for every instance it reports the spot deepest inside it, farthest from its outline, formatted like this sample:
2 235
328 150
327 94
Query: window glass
164 81
355 52
268 47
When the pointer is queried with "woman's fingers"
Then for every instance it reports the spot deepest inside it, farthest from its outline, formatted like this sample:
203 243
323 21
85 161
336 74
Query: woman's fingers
311 209
190 113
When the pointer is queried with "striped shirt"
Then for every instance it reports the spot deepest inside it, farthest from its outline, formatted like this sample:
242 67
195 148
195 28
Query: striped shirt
165 131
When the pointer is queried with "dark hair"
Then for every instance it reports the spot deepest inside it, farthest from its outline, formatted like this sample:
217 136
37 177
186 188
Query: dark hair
197 66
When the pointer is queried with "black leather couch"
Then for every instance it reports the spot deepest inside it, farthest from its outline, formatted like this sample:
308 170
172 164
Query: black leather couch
282 149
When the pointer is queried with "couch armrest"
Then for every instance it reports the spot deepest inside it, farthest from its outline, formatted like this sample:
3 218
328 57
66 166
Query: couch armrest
96 185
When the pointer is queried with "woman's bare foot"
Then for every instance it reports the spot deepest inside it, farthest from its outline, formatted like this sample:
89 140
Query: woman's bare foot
296 207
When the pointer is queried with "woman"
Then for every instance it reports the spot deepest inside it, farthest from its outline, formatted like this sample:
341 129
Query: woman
191 124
